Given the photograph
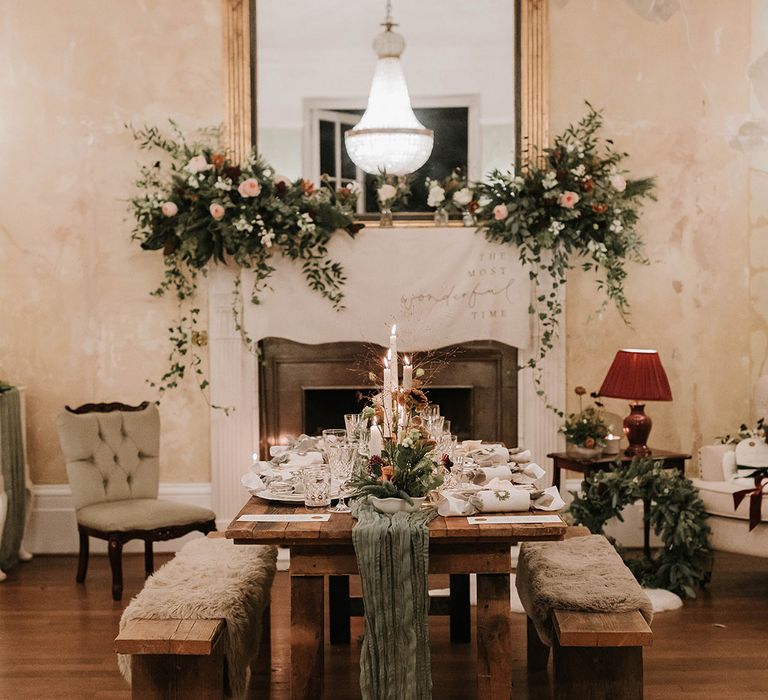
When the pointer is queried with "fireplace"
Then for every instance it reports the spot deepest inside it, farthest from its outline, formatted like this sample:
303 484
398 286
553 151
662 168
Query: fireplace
306 388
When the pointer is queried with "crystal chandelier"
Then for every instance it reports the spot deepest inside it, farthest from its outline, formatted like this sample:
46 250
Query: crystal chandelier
388 137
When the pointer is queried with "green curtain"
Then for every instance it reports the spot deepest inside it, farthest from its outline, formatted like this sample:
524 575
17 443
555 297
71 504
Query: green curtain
393 561
12 464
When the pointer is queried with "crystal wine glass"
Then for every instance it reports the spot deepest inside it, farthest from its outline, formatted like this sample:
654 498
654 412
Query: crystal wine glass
341 457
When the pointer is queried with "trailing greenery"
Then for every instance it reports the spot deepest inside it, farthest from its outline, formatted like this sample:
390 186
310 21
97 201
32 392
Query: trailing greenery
571 205
198 207
676 514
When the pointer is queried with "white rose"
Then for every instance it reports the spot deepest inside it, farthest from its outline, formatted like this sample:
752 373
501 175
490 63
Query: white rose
463 196
386 192
436 196
197 164
618 183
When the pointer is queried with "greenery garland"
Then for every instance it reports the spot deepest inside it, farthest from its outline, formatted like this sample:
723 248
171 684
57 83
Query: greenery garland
573 202
677 514
198 207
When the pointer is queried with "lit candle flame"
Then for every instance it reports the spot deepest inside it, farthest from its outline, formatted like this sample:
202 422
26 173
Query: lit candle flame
394 329
386 363
407 361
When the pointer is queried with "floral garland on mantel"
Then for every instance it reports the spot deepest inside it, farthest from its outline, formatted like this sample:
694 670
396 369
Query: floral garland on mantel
198 207
572 203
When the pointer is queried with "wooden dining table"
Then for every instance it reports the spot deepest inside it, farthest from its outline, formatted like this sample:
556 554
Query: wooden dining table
324 548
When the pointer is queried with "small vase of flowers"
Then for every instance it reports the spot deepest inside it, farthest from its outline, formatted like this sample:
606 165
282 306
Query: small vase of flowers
452 194
585 431
391 191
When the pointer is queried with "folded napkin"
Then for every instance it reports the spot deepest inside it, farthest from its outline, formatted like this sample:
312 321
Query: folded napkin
253 482
302 444
298 461
519 455
489 455
498 496
512 472
501 500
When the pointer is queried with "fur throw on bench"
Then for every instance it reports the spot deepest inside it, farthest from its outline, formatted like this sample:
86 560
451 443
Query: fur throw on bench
582 573
212 578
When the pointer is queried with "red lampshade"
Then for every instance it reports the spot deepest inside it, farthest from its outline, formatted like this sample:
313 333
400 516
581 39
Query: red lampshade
637 375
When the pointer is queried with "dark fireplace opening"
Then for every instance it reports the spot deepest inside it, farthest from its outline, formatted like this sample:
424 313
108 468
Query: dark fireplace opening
325 407
308 388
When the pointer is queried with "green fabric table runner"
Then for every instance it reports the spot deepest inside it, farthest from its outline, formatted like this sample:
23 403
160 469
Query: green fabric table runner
12 466
393 561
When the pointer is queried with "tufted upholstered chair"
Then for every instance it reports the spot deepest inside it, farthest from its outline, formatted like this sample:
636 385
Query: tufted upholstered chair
112 453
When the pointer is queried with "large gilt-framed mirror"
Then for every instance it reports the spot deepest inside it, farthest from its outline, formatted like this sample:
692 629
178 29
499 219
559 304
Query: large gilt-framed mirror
299 75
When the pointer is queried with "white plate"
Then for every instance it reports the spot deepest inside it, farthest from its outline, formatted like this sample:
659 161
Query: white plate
267 495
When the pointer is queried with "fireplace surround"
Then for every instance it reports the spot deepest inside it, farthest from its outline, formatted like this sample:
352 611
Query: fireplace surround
302 383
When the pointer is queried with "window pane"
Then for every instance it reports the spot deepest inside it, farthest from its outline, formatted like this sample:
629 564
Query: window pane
348 169
327 148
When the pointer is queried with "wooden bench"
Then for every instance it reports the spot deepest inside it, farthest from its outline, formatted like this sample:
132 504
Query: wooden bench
596 656
174 640
175 658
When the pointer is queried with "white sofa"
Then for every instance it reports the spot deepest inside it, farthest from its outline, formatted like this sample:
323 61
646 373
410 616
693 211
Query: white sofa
730 528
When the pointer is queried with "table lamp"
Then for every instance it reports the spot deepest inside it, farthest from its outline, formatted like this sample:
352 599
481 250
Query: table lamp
637 375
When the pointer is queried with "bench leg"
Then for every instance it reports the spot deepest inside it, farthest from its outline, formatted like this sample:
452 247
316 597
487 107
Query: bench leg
461 616
82 557
261 666
166 676
598 673
116 563
537 651
339 609
307 637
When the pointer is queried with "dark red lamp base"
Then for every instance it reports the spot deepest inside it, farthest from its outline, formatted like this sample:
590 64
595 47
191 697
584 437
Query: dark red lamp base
637 428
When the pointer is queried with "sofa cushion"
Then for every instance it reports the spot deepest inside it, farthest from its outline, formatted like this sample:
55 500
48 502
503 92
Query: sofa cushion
140 514
718 498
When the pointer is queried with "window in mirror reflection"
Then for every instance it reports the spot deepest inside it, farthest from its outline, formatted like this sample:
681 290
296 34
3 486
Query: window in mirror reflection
317 57
328 156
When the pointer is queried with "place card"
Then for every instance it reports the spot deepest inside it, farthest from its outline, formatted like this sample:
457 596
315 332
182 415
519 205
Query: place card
501 519
293 518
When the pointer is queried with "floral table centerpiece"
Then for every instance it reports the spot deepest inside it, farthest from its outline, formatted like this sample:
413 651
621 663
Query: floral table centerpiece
403 466
585 431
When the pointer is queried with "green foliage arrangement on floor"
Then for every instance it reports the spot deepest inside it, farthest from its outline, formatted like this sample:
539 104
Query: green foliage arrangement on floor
677 515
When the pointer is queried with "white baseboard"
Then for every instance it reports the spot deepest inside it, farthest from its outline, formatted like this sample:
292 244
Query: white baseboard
53 528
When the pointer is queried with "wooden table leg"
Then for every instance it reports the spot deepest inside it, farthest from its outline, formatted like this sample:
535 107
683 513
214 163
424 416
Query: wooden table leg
461 615
307 652
556 475
494 639
339 609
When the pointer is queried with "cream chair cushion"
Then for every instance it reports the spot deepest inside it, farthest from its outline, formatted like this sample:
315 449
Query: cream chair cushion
140 514
111 456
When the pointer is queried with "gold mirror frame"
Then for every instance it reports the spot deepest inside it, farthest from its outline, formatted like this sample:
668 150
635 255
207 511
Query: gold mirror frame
531 68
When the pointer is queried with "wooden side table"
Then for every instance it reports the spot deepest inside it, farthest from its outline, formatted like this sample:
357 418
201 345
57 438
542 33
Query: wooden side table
563 460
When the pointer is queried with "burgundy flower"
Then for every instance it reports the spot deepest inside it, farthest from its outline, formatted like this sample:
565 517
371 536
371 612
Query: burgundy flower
375 461
281 188
447 461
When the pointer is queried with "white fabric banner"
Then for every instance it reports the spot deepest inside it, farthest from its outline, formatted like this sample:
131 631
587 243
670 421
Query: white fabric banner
440 285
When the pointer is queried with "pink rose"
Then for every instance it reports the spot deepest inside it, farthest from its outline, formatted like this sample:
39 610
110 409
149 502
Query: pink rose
249 188
618 182
500 212
217 211
569 199
169 209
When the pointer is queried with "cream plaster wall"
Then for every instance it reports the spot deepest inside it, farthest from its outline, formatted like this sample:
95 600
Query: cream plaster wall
76 323
672 77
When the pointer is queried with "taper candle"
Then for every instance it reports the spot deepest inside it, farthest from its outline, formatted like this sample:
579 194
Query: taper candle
407 374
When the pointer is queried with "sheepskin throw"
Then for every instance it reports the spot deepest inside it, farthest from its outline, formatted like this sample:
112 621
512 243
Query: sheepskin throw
393 560
212 578
582 573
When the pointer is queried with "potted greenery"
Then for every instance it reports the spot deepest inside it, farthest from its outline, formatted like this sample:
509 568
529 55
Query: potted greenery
585 431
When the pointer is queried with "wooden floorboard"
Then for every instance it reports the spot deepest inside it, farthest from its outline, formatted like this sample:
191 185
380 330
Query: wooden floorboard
56 639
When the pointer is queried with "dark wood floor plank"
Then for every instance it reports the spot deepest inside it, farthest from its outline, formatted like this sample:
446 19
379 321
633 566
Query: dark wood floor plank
56 639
